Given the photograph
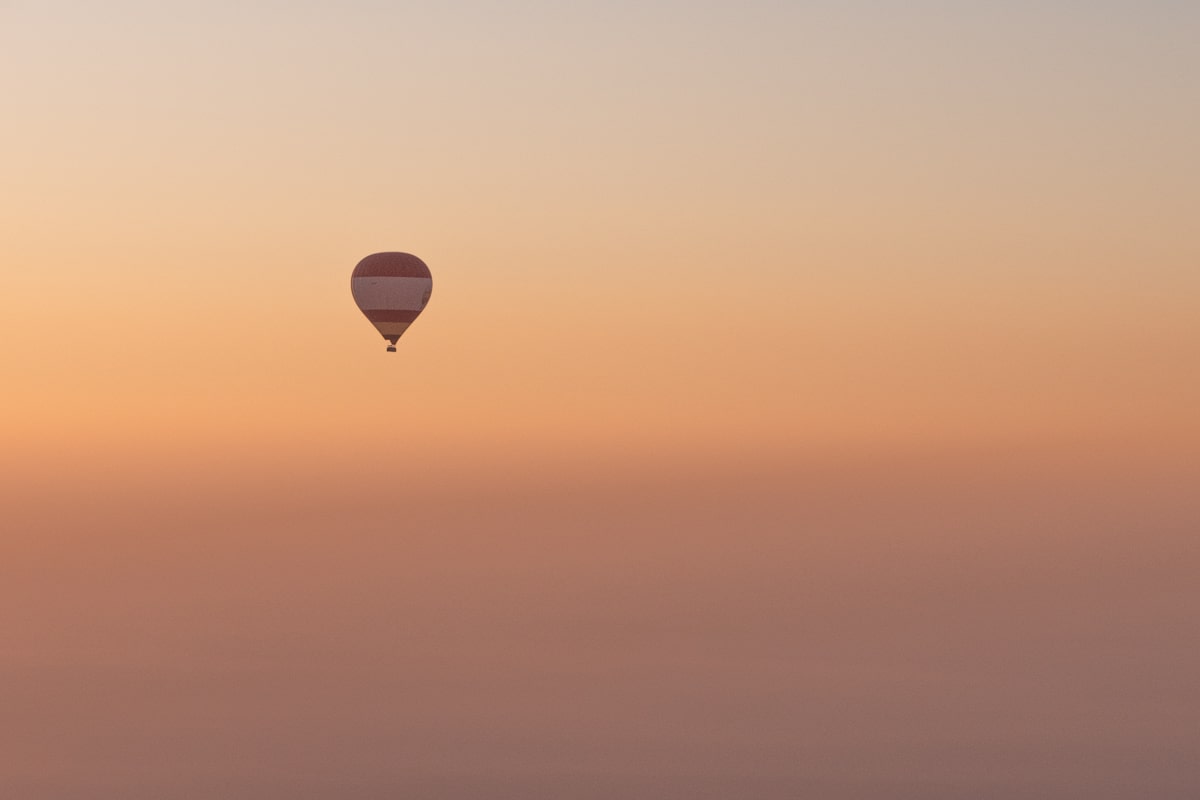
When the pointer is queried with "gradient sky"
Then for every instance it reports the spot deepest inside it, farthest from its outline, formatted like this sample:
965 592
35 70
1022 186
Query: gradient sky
806 405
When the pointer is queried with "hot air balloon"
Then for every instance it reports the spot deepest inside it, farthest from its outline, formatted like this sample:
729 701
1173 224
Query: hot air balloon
391 289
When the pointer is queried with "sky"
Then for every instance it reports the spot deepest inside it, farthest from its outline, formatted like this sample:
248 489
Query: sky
805 405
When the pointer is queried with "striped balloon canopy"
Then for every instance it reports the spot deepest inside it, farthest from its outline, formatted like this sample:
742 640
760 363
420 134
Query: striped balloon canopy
391 289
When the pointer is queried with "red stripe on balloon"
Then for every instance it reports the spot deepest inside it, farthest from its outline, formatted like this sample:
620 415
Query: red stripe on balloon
391 265
390 315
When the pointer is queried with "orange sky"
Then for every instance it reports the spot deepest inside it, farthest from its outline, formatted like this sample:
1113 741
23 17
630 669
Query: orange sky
880 241
727 301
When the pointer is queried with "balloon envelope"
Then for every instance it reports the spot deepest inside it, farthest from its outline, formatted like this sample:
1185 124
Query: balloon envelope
391 289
